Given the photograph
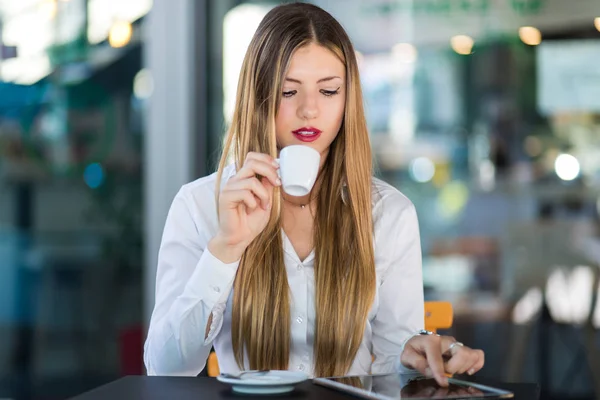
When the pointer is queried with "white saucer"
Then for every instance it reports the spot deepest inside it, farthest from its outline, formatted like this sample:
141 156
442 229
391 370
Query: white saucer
272 382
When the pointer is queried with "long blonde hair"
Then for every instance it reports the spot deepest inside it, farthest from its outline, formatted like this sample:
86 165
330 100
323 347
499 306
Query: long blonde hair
343 229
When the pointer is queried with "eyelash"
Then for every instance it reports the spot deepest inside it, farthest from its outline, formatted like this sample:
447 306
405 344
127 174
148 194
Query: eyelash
326 93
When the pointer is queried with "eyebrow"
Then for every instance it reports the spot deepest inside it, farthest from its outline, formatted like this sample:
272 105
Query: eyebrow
328 78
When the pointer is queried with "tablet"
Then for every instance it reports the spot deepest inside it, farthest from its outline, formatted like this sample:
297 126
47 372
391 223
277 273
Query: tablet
411 386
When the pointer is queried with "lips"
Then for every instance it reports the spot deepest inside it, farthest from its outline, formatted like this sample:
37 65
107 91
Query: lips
307 134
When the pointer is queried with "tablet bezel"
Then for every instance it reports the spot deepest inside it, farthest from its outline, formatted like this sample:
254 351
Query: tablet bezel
493 393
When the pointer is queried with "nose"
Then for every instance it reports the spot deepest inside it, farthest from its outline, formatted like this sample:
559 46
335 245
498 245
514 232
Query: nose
308 108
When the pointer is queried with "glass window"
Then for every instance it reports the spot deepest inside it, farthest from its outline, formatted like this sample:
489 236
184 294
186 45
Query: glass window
70 203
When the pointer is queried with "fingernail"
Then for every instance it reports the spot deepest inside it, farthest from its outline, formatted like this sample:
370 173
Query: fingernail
471 371
278 182
444 380
275 164
428 372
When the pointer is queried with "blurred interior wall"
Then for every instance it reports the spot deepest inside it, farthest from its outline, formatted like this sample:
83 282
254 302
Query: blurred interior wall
174 118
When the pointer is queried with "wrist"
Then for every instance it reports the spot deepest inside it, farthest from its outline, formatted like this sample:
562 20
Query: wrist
421 332
225 250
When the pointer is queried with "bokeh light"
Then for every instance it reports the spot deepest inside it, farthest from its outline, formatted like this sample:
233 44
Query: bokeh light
93 175
567 167
143 84
453 199
422 169
530 35
462 44
120 34
405 53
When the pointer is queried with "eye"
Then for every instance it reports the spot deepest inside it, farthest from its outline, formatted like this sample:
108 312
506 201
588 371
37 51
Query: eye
329 93
289 93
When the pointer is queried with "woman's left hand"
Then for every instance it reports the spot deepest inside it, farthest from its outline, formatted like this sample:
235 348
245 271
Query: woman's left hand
435 356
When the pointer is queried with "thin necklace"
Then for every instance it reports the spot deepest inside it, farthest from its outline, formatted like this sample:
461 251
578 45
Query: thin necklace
302 206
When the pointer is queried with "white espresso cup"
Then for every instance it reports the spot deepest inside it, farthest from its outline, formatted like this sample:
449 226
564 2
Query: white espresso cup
298 169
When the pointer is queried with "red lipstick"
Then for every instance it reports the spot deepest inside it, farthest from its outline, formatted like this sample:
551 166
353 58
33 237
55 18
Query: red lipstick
307 134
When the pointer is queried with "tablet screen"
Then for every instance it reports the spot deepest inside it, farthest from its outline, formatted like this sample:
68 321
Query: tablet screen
410 386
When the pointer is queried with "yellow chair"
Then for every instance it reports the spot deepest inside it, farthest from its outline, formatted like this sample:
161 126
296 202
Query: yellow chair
213 365
438 315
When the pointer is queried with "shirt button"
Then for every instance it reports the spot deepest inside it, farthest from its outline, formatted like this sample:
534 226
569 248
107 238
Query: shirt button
216 289
299 319
299 267
301 367
306 358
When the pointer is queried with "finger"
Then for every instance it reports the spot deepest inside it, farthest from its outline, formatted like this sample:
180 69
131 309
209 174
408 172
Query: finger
254 155
269 187
261 164
255 186
473 357
415 360
461 360
237 197
478 364
433 351
254 167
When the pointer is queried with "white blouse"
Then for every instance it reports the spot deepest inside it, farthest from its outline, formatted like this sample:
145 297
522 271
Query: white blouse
191 284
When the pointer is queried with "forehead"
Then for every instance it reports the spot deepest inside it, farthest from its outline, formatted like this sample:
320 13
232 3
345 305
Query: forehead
313 62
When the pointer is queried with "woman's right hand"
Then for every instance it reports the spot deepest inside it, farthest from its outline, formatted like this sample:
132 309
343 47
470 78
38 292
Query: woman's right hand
245 206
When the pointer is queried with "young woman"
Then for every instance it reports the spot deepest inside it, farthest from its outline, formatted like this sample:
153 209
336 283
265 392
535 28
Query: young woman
329 283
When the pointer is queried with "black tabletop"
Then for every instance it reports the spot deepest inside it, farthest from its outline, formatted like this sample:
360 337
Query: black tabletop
159 387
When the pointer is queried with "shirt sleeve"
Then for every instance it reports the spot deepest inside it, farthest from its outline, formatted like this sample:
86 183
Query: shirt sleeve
401 301
191 284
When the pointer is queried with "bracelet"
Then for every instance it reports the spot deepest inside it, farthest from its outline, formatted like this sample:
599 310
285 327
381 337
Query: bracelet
426 332
419 333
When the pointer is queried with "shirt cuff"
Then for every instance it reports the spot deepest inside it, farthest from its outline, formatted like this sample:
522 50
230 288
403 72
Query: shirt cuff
217 323
212 279
401 369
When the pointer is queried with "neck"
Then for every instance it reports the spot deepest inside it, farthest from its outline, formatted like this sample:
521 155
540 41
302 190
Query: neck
297 201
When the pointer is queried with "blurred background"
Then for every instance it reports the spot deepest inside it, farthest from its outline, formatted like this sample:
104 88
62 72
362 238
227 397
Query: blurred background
485 113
